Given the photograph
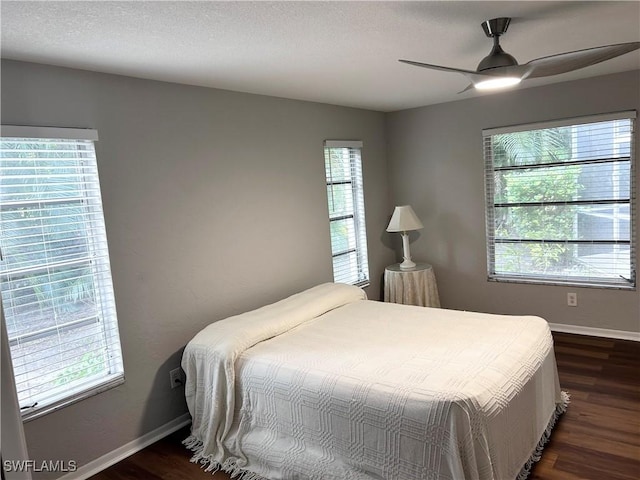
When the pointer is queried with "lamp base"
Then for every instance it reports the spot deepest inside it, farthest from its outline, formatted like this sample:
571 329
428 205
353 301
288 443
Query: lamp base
407 265
406 255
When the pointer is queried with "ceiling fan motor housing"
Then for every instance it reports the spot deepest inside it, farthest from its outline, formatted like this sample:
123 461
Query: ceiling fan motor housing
497 57
496 26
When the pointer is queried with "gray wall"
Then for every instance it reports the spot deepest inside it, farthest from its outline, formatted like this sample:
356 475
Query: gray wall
215 203
436 165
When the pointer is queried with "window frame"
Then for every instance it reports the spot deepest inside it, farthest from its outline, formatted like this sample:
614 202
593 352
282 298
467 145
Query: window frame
491 205
359 275
96 260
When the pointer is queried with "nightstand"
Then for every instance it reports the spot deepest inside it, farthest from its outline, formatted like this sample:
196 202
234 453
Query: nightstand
416 286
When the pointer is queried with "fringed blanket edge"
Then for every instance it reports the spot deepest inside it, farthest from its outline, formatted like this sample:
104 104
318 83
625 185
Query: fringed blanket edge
209 464
546 436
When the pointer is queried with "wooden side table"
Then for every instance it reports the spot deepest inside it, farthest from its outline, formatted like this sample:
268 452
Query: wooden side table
416 286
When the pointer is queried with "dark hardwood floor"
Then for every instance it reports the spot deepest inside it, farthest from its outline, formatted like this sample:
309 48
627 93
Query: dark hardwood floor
599 435
598 438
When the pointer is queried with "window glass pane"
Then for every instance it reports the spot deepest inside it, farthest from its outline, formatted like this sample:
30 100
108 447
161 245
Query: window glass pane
42 169
35 301
532 147
338 164
604 222
605 181
580 142
537 258
345 199
538 185
343 235
55 278
44 233
84 355
610 261
346 269
550 219
561 261
599 181
563 222
340 198
601 140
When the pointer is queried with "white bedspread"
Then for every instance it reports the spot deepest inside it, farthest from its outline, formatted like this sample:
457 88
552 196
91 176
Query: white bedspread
327 385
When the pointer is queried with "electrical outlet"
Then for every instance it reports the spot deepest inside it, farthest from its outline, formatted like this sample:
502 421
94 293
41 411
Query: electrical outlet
572 299
176 377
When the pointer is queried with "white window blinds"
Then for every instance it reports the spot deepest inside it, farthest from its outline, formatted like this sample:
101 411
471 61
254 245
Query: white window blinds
560 203
55 276
345 196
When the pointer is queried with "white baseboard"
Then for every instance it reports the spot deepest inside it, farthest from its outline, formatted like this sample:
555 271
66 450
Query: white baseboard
595 332
113 457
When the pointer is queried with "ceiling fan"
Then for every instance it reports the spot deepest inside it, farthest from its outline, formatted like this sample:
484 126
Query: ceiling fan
499 69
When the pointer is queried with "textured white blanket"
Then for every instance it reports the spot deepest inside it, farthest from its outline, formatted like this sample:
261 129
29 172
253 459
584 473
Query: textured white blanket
327 385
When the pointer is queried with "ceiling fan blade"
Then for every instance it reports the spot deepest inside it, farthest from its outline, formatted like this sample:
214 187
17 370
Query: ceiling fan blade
439 67
470 74
570 61
478 78
469 87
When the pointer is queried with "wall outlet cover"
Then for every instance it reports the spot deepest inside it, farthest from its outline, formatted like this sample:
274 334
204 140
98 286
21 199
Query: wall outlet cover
176 377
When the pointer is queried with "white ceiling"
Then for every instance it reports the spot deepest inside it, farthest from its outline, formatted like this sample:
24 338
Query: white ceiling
340 52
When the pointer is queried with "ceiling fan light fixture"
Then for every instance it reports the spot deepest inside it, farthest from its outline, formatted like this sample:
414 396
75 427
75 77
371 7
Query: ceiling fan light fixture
497 83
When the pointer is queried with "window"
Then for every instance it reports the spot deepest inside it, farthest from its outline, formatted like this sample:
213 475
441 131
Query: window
55 276
559 202
345 196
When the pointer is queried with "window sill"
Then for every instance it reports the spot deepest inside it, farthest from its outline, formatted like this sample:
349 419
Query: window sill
563 283
98 387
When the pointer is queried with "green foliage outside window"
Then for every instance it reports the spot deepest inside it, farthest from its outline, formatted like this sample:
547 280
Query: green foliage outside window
90 364
522 185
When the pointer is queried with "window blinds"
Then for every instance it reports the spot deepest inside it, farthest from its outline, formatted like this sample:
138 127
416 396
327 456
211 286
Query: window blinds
55 275
560 201
345 196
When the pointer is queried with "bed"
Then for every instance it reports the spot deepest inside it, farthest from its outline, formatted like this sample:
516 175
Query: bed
326 384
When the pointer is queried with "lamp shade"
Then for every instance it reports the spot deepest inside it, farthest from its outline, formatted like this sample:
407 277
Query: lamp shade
404 219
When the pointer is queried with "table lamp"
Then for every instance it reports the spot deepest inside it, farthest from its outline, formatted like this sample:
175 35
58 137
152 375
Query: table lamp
404 220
